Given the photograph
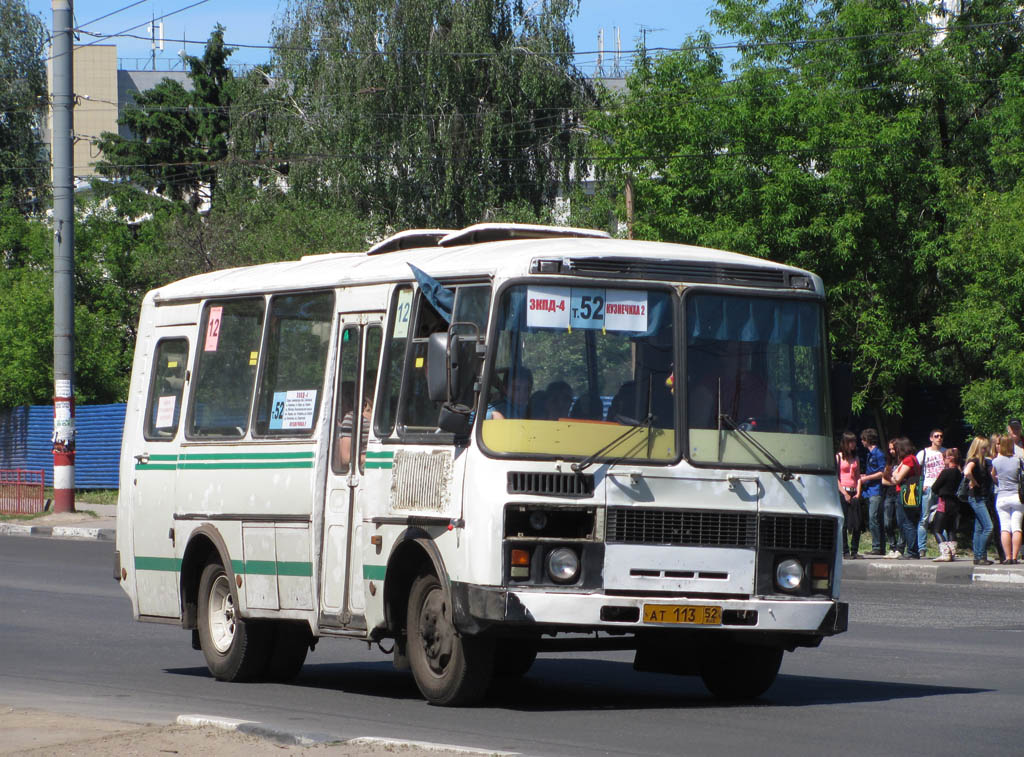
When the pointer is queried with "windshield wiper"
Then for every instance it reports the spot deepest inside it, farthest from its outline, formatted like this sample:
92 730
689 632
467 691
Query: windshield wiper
586 462
787 474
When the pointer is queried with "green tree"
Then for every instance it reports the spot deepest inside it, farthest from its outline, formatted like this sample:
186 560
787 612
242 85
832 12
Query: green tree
843 141
420 112
22 103
179 136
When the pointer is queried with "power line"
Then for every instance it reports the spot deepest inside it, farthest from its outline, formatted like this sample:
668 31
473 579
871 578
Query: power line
108 15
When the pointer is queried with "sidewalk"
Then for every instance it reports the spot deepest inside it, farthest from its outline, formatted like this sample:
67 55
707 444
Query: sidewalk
960 571
84 525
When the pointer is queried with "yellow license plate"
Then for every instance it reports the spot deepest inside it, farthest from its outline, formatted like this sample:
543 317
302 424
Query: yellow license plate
699 615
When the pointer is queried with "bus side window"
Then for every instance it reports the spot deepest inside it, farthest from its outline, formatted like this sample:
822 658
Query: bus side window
394 359
471 305
229 348
292 380
345 409
167 384
374 335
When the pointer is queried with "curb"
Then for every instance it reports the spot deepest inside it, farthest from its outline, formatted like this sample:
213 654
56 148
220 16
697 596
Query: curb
60 532
306 739
962 572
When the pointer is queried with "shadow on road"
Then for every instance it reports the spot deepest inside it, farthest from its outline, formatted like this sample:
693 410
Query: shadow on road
581 684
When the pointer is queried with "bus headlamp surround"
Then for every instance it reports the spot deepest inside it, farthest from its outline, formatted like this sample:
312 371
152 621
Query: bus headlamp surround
789 574
563 565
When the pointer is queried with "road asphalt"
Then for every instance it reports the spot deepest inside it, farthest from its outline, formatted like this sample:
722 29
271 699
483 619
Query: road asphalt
91 521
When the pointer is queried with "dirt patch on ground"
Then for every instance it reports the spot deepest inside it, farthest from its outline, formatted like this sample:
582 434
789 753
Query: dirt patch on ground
45 734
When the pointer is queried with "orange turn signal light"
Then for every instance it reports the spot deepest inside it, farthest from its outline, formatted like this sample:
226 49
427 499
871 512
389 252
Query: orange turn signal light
819 570
520 557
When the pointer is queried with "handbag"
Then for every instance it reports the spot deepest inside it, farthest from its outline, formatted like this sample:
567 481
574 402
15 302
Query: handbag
1020 482
963 491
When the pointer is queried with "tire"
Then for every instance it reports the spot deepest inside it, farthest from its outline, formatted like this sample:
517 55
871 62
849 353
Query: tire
235 649
739 671
449 669
513 658
289 645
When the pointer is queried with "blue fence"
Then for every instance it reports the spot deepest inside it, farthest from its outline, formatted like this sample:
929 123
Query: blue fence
25 442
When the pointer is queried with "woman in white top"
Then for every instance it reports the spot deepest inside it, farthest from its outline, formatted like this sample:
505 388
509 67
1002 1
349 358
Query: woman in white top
1006 469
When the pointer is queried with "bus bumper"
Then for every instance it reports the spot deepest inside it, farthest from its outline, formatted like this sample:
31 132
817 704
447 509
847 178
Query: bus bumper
478 609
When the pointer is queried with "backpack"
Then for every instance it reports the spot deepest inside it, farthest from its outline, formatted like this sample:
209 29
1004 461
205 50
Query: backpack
910 493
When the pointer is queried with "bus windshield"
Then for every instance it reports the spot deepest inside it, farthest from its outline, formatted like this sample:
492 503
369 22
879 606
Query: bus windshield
755 376
575 368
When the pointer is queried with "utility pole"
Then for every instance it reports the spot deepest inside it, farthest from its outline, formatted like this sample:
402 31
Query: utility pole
62 141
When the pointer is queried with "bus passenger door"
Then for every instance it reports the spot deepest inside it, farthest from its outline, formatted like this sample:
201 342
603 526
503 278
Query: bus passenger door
156 449
342 602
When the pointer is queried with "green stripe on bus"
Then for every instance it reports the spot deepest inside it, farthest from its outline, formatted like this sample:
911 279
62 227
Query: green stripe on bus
380 455
298 569
144 466
215 465
172 564
260 568
374 572
248 456
163 457
271 568
387 465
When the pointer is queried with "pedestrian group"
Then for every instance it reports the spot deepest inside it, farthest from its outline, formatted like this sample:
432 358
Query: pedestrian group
904 494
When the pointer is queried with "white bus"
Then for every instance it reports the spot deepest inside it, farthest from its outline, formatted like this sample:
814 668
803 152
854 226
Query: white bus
473 446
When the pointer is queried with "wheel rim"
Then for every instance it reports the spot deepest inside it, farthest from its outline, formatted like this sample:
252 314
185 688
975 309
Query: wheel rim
437 635
222 614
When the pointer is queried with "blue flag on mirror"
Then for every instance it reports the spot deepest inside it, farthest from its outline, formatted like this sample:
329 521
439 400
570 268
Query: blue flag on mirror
438 295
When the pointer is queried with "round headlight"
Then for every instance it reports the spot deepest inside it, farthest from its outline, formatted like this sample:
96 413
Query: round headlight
788 574
563 565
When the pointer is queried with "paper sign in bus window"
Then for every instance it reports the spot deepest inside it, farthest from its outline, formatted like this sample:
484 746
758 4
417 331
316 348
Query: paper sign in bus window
165 411
626 310
213 329
293 410
547 307
587 308
403 312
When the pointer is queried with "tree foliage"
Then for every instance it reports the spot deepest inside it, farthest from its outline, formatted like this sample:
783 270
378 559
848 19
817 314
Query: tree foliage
844 140
22 103
179 135
419 112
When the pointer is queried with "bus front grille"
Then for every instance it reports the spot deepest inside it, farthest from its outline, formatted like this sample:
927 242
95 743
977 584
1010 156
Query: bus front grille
551 483
690 528
709 528
788 532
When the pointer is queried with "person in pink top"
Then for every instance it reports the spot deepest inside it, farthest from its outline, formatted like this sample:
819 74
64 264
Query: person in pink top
848 473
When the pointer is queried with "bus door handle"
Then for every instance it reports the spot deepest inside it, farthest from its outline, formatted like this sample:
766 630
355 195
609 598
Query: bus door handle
142 459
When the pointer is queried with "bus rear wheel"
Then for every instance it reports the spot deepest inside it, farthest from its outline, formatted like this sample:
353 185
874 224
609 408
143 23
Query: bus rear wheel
449 668
235 649
740 671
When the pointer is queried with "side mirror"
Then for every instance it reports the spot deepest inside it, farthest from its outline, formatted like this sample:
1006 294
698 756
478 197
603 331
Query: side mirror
437 367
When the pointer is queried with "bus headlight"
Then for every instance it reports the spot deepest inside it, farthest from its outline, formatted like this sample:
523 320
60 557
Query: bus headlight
789 574
563 565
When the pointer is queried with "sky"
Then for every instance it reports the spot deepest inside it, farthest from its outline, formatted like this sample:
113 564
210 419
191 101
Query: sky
667 23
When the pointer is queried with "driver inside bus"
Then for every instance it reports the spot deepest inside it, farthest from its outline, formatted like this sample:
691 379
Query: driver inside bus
517 396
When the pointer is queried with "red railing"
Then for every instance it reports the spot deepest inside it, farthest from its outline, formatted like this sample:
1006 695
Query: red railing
21 491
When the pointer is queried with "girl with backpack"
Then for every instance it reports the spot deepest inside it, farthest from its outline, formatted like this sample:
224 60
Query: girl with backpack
907 478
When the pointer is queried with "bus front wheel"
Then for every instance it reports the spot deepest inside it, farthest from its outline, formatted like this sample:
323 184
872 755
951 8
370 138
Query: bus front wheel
235 649
739 671
449 668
